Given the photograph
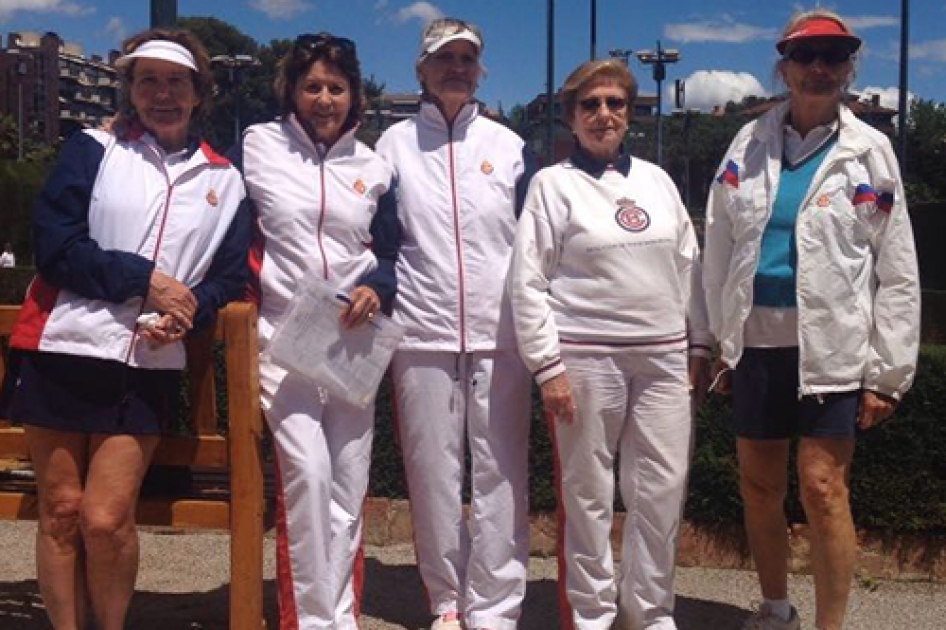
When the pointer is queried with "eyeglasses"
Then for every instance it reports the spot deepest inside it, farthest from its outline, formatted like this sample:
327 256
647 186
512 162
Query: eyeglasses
806 55
310 42
593 104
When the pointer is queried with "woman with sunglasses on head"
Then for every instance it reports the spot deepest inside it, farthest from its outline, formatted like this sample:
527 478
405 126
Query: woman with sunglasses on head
609 314
812 290
322 207
143 220
458 379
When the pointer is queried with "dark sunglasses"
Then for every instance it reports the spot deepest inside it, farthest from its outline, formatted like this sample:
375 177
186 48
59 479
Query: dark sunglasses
593 104
806 55
310 42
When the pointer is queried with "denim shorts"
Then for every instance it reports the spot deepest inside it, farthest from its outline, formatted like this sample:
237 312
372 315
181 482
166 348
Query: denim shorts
766 405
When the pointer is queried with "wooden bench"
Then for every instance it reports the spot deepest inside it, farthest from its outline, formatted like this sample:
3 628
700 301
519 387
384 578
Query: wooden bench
235 456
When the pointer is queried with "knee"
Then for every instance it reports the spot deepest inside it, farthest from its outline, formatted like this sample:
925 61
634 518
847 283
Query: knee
106 525
823 492
59 517
761 492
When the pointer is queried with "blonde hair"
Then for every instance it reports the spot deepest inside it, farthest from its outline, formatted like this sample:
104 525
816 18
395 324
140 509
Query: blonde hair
804 16
597 71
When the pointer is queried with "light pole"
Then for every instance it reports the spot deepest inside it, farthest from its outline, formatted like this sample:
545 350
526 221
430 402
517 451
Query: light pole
20 73
902 101
659 60
621 53
235 64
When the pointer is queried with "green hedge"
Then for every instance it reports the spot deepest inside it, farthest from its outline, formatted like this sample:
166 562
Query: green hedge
898 478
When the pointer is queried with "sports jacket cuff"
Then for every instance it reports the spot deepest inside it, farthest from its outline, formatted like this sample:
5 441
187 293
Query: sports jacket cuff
549 372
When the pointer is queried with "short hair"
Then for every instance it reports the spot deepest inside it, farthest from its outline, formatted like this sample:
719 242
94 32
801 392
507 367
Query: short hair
597 71
305 51
814 14
203 78
443 28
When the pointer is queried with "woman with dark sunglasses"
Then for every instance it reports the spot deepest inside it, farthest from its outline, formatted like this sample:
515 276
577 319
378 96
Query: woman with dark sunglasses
609 315
458 379
812 290
322 207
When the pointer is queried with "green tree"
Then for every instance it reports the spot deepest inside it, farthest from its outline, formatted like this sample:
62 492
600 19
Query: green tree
925 175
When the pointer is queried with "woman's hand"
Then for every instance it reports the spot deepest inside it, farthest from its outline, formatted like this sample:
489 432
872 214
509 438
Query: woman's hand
363 306
557 399
699 373
874 409
166 330
168 296
722 375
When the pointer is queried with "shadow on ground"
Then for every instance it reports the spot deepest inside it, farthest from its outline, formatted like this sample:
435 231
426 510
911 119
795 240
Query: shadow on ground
393 594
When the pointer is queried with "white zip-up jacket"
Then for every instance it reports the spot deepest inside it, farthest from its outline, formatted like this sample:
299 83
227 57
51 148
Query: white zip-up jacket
317 211
109 215
458 192
606 258
857 288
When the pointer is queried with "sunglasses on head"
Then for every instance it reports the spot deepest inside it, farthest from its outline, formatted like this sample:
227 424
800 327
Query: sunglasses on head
593 104
806 55
311 42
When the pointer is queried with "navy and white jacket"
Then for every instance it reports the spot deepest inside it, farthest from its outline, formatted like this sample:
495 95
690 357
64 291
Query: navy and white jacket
459 192
318 210
108 216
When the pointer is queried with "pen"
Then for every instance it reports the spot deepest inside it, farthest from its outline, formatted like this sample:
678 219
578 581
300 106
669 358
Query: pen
347 300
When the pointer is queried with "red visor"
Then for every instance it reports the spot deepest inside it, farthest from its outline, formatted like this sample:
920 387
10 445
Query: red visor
820 28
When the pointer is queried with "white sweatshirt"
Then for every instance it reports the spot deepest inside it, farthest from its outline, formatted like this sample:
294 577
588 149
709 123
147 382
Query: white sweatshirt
604 258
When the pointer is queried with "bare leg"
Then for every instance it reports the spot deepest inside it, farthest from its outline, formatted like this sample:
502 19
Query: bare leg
763 482
824 466
117 466
59 460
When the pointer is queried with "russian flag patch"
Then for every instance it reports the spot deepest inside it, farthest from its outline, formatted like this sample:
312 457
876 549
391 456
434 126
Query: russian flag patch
730 175
864 193
885 201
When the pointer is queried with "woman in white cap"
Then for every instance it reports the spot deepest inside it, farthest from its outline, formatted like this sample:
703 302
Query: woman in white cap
459 381
145 220
322 205
811 283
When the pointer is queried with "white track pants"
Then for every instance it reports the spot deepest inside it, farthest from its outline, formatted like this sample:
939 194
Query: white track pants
444 400
324 452
638 405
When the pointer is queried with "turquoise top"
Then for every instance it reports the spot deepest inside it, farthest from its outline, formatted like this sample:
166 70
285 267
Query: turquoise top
775 276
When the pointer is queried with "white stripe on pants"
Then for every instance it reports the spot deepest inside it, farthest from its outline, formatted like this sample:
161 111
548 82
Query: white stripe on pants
442 400
324 454
636 404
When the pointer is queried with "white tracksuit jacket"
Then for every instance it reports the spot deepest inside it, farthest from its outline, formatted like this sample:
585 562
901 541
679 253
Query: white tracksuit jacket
599 263
108 216
858 285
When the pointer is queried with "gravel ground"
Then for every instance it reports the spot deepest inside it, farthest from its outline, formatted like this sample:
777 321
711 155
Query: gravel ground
182 586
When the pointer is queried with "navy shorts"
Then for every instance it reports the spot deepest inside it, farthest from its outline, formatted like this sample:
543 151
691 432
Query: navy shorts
766 405
87 395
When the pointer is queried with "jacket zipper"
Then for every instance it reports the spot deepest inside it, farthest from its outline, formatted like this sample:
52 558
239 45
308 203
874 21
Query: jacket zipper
322 216
457 235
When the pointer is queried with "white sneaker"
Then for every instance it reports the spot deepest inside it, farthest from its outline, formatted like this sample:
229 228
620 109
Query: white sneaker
447 621
763 619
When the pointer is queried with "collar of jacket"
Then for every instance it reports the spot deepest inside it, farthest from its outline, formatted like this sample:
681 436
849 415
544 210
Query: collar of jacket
135 132
430 115
345 145
595 167
849 138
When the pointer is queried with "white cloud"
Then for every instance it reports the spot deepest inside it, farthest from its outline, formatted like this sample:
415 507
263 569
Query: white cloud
889 96
116 28
10 7
862 22
423 11
934 50
280 9
706 89
381 5
724 30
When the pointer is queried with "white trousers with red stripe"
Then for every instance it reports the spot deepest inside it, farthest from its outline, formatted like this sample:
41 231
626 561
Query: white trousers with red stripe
324 453
636 405
475 566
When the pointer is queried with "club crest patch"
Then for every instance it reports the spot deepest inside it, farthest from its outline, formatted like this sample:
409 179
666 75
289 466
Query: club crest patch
486 167
630 216
212 197
824 201
360 187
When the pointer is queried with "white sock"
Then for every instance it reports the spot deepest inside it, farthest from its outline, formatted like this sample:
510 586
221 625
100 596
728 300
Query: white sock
781 608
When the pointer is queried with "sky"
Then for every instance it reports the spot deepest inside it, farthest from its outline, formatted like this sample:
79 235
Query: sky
726 46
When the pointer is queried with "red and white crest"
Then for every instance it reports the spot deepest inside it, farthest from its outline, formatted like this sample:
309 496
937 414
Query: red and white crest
630 216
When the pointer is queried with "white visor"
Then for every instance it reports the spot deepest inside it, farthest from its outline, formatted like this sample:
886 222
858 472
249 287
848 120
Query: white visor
433 44
160 49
